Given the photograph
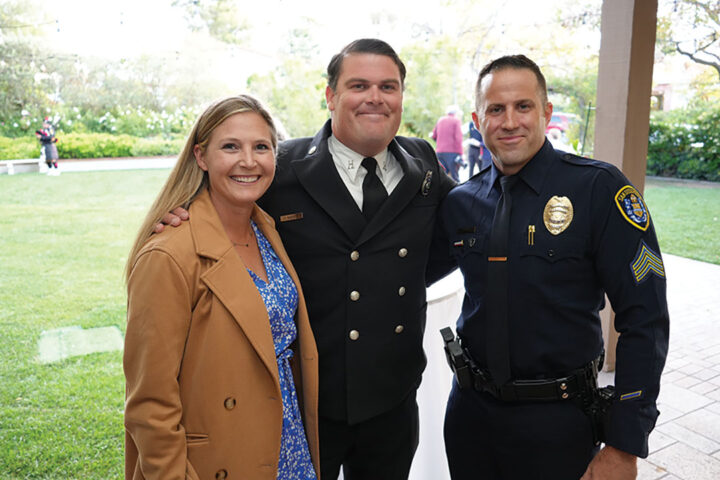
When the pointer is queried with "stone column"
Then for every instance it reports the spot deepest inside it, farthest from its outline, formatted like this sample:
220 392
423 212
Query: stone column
627 49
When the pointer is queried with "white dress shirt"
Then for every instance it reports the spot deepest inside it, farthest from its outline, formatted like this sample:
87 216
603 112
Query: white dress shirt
352 173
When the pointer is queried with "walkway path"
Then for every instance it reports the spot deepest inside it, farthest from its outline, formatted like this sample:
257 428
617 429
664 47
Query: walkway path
116 164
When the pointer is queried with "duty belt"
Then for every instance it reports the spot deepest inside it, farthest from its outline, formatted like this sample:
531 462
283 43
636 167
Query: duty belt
541 390
576 384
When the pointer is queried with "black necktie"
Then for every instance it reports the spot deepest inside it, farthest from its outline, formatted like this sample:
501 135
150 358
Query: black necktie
374 194
497 344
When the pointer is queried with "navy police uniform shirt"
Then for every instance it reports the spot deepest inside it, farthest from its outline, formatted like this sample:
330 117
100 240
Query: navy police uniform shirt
578 230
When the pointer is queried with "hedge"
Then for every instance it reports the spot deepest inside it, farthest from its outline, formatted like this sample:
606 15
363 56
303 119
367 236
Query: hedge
685 144
92 145
19 148
681 144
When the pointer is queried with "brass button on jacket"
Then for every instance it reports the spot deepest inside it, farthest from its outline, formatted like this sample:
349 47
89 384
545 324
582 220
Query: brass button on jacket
230 403
354 335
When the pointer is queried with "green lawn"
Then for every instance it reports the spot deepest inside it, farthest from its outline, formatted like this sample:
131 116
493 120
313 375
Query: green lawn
63 242
687 218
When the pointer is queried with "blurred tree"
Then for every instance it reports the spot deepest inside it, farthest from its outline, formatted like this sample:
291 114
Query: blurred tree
301 43
434 81
19 18
691 28
97 85
295 89
581 13
220 18
707 89
23 95
295 94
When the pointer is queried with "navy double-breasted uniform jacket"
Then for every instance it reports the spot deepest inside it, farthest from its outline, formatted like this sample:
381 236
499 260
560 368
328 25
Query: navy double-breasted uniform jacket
364 281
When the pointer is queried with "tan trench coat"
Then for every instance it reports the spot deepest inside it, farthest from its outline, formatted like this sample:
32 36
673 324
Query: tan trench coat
203 393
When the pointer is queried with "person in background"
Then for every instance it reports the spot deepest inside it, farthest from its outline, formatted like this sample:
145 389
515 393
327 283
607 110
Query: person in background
47 141
220 362
478 154
541 237
558 141
448 135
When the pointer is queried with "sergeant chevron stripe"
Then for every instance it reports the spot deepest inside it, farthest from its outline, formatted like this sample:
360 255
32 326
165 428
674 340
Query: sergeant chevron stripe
646 262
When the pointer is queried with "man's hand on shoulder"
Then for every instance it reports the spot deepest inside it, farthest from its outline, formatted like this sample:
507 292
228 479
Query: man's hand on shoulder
173 218
612 464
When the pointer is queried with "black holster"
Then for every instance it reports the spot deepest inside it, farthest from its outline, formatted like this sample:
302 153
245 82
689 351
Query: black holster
595 401
460 363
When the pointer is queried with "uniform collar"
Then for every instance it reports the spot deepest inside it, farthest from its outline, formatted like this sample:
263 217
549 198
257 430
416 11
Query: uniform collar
349 160
536 170
533 173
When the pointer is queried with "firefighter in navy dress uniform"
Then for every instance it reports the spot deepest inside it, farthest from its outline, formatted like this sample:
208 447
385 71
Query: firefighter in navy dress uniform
362 274
525 402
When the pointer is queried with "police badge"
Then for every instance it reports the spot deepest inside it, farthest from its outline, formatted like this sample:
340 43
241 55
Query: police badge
632 207
558 214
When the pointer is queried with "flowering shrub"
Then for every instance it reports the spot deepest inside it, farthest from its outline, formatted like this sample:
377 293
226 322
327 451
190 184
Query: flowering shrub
141 122
121 132
121 120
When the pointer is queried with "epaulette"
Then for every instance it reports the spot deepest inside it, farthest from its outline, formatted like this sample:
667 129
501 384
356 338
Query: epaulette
588 162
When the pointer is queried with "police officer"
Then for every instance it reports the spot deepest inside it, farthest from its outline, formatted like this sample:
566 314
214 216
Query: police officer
541 236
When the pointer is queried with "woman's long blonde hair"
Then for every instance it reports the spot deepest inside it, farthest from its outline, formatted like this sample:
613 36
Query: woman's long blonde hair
187 179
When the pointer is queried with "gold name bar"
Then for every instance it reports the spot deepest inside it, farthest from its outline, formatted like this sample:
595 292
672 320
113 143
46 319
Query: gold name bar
291 217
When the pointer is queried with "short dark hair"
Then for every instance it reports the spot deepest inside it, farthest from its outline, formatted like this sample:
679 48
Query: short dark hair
512 61
363 45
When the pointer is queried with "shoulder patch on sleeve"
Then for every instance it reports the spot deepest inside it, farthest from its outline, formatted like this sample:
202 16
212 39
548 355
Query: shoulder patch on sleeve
632 207
646 262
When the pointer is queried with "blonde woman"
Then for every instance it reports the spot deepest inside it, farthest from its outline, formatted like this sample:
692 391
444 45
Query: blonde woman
220 362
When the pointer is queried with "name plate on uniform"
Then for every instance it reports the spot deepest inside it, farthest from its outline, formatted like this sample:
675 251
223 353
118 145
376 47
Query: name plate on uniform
291 216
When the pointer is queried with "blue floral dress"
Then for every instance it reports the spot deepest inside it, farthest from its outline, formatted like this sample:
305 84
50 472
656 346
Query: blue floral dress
280 297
